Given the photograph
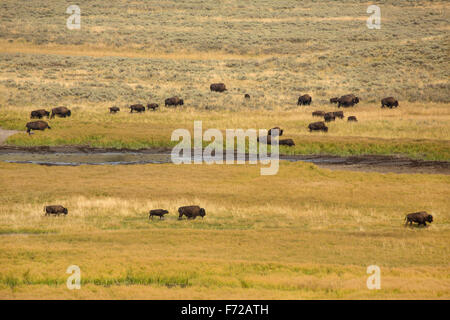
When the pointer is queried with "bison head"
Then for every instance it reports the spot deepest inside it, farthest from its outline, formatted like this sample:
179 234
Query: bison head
202 212
65 211
430 218
69 113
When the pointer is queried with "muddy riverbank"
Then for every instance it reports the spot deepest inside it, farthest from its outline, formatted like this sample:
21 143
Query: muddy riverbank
81 155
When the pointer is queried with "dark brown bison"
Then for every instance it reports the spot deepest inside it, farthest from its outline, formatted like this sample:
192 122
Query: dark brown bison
348 100
137 107
318 113
174 101
61 112
329 116
339 114
114 109
37 125
304 100
247 96
191 212
152 106
352 118
334 100
280 131
218 87
55 210
286 142
389 102
420 217
318 126
39 114
157 212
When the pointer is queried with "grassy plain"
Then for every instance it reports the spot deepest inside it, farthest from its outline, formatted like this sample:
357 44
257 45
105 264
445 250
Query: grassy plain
304 233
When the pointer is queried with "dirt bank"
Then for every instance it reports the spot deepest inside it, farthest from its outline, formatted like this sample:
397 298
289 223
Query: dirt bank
4 134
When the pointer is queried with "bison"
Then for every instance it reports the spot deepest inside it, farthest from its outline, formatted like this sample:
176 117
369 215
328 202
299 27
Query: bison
174 101
55 210
329 116
318 113
247 96
218 87
137 107
191 212
318 126
339 114
61 112
348 100
114 109
286 142
352 118
280 131
157 212
334 100
420 217
37 125
389 102
39 114
152 106
304 100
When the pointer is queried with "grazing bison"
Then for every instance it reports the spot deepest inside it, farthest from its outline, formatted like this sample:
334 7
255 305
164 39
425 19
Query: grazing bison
61 112
152 106
137 107
304 100
420 217
334 100
348 100
318 126
218 87
39 114
329 116
174 101
318 113
286 142
157 212
191 212
55 210
389 102
339 114
352 118
37 125
114 109
247 96
280 131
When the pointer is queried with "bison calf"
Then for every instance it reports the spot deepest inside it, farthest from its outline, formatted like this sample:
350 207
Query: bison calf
39 114
157 212
152 106
114 109
420 217
57 210
191 212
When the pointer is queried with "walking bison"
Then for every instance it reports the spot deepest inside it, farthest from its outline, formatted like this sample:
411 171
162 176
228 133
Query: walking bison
174 101
57 210
339 114
152 106
420 217
137 108
191 212
389 102
39 114
157 212
37 125
352 118
218 87
318 126
329 116
348 100
304 100
318 113
114 110
61 112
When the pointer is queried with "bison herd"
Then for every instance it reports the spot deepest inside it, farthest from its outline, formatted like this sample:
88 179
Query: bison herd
192 212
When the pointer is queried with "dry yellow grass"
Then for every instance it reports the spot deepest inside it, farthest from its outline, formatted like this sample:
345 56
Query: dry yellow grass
304 233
